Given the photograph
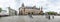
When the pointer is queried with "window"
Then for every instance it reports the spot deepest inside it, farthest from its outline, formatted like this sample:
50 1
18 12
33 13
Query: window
28 13
32 12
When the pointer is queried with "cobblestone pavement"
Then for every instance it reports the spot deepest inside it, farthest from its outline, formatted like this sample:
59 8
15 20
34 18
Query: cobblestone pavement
29 19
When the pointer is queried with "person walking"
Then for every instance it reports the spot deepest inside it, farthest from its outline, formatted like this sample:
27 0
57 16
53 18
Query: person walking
30 15
53 16
49 17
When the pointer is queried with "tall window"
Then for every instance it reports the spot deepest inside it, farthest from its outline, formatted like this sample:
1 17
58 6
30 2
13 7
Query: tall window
32 12
39 13
28 13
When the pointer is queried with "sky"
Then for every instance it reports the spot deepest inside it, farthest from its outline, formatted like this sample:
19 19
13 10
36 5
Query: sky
48 5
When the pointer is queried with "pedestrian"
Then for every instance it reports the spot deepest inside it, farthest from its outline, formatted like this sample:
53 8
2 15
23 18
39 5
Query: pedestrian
30 15
49 17
53 16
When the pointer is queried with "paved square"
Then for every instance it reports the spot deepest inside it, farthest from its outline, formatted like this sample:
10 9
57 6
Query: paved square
29 19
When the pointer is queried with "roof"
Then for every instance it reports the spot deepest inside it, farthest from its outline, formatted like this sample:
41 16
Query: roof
30 8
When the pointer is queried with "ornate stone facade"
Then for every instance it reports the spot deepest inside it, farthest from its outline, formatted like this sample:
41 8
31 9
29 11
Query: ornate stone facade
25 10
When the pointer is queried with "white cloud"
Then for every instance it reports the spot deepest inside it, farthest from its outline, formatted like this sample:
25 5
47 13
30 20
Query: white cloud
52 5
48 5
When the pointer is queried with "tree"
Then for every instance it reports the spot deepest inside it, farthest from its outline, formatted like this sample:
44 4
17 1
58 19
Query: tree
51 13
0 9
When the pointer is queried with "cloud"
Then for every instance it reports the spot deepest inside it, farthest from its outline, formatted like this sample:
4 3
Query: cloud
48 5
51 5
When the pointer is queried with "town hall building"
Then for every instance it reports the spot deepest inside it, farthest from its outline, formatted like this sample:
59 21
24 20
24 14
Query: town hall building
26 10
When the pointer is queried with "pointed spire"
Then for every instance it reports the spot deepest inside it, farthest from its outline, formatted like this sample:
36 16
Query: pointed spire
41 9
22 4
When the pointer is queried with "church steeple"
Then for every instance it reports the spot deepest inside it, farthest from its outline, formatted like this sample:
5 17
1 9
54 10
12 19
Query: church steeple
22 4
41 9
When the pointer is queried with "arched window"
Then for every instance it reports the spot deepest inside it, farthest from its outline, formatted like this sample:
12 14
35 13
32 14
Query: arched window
39 13
28 13
32 12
